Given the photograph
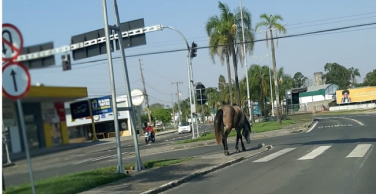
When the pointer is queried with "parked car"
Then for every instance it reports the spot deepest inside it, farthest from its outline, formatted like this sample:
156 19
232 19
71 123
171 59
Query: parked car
184 127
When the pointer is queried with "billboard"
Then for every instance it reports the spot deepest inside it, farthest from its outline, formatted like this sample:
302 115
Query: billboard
101 105
356 95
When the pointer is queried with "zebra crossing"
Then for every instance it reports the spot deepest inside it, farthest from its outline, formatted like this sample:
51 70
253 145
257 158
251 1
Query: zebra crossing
358 151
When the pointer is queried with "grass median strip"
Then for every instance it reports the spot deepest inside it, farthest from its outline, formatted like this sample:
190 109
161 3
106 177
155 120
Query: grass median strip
83 181
256 128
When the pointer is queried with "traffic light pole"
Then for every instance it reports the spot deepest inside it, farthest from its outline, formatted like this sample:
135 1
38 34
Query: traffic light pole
190 78
193 94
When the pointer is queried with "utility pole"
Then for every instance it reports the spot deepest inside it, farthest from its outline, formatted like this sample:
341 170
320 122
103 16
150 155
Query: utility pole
173 110
177 93
146 95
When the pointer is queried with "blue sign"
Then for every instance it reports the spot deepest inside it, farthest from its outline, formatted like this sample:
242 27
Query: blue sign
101 105
256 108
80 109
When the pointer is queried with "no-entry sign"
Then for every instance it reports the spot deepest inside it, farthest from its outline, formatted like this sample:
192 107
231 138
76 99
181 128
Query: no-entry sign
12 42
16 80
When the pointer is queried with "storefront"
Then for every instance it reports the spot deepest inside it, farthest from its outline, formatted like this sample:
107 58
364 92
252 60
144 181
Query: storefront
80 129
44 116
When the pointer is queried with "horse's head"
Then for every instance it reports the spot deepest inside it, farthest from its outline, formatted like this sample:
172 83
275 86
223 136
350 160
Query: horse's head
247 130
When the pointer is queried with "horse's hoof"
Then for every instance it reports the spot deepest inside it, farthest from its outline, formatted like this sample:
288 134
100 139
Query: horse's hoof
237 150
244 149
226 153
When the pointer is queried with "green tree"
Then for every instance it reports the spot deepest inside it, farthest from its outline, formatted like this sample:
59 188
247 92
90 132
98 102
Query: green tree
224 31
337 74
272 23
162 114
299 80
370 79
354 72
156 106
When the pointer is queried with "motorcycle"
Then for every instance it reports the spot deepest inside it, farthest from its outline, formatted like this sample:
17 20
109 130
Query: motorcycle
149 136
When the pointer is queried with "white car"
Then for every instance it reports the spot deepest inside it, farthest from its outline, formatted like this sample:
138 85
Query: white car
184 127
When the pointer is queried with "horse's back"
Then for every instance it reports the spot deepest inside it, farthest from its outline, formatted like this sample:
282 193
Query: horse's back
228 115
238 118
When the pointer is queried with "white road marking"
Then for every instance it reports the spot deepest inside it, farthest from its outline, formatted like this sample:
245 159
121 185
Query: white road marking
314 153
359 151
356 121
274 155
97 158
314 125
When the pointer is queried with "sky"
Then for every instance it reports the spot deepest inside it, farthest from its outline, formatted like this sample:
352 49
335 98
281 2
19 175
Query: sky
42 21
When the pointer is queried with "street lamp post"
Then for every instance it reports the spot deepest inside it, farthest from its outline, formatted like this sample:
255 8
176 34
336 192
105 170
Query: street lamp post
245 64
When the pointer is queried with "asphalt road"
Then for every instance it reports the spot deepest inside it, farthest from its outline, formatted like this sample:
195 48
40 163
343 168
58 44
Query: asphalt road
92 157
337 156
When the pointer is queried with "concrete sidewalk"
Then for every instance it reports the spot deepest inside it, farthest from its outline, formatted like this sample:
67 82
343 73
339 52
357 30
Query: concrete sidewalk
161 179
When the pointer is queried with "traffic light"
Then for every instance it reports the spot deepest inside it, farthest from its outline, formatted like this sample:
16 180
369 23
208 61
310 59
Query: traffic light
66 62
194 50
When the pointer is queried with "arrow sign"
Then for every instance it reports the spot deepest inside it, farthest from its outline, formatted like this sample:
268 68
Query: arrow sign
12 42
16 80
13 74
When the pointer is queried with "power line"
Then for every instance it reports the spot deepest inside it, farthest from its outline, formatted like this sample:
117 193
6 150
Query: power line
157 90
206 47
331 19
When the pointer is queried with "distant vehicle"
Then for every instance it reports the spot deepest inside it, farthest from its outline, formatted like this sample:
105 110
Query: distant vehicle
184 127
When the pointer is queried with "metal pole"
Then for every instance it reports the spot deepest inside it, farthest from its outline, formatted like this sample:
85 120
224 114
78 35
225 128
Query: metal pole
120 168
5 141
26 145
138 165
245 64
271 87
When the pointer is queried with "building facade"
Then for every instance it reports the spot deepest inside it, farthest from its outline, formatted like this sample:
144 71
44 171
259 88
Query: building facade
44 115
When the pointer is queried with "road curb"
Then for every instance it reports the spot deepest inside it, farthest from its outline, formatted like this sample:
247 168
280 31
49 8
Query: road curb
200 173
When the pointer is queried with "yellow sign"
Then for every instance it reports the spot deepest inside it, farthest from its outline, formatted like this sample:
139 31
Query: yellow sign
356 95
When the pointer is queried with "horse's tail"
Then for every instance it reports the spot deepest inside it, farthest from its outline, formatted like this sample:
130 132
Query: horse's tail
247 130
248 124
218 125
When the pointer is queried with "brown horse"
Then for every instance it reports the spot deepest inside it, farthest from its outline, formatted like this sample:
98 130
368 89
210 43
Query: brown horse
229 117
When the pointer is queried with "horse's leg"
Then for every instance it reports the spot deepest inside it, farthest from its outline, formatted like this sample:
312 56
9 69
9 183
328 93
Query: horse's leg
238 136
224 141
241 141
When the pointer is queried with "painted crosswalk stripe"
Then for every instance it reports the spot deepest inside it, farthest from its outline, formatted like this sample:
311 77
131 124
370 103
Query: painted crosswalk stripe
274 155
359 151
314 153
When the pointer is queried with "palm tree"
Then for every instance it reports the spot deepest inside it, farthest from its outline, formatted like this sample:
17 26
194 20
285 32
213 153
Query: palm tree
271 22
354 72
259 81
224 31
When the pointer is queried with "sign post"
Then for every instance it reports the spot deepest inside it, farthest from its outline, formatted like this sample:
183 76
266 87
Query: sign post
16 81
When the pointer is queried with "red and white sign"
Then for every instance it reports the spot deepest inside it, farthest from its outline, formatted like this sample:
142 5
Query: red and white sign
16 80
12 42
